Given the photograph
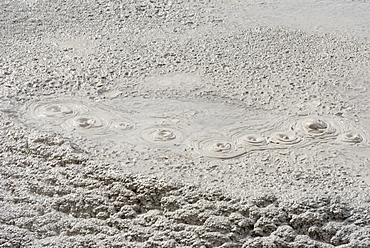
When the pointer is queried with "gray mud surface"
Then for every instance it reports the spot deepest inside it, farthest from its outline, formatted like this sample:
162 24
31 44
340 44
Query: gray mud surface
185 123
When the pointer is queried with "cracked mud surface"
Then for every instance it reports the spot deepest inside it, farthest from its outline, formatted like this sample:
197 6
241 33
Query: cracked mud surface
184 124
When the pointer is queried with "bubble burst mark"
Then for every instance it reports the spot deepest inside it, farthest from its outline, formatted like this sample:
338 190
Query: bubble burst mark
284 138
123 124
248 139
351 138
113 121
248 135
251 140
88 124
56 111
216 145
162 135
316 127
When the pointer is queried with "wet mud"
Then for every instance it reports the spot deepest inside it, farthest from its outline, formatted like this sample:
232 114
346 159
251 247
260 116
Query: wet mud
228 123
179 124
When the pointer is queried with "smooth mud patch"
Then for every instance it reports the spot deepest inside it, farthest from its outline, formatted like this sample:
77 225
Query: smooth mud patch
324 16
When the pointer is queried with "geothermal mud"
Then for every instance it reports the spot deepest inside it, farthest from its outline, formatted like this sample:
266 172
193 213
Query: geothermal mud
184 123
180 125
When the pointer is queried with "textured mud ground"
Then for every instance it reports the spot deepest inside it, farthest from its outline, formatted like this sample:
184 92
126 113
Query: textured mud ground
249 71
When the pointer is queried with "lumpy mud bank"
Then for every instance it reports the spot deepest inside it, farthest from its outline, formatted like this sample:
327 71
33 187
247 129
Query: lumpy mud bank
184 124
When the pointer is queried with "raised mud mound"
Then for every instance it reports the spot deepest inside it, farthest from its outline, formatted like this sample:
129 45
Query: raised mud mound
54 196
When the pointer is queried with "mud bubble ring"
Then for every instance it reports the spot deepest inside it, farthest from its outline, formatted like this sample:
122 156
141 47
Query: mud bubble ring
284 138
250 134
215 145
88 124
350 138
123 124
57 110
316 127
162 136
250 140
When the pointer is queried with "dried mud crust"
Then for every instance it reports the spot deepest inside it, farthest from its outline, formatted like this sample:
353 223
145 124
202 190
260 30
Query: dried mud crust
68 200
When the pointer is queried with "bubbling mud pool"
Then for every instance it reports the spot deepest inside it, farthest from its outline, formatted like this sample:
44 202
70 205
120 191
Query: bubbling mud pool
214 130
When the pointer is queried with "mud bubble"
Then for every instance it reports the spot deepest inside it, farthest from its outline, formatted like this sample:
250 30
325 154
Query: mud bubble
350 137
123 124
317 127
284 138
91 123
217 130
216 145
57 111
162 135
246 138
252 139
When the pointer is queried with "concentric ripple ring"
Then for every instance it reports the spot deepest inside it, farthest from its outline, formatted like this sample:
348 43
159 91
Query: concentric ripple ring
162 135
284 138
57 110
352 138
123 124
252 140
88 124
313 127
248 134
216 145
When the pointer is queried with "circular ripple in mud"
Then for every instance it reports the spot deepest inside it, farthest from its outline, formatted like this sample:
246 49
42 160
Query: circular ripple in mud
248 135
123 124
285 138
319 127
56 112
250 140
57 109
350 138
216 145
87 124
162 135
